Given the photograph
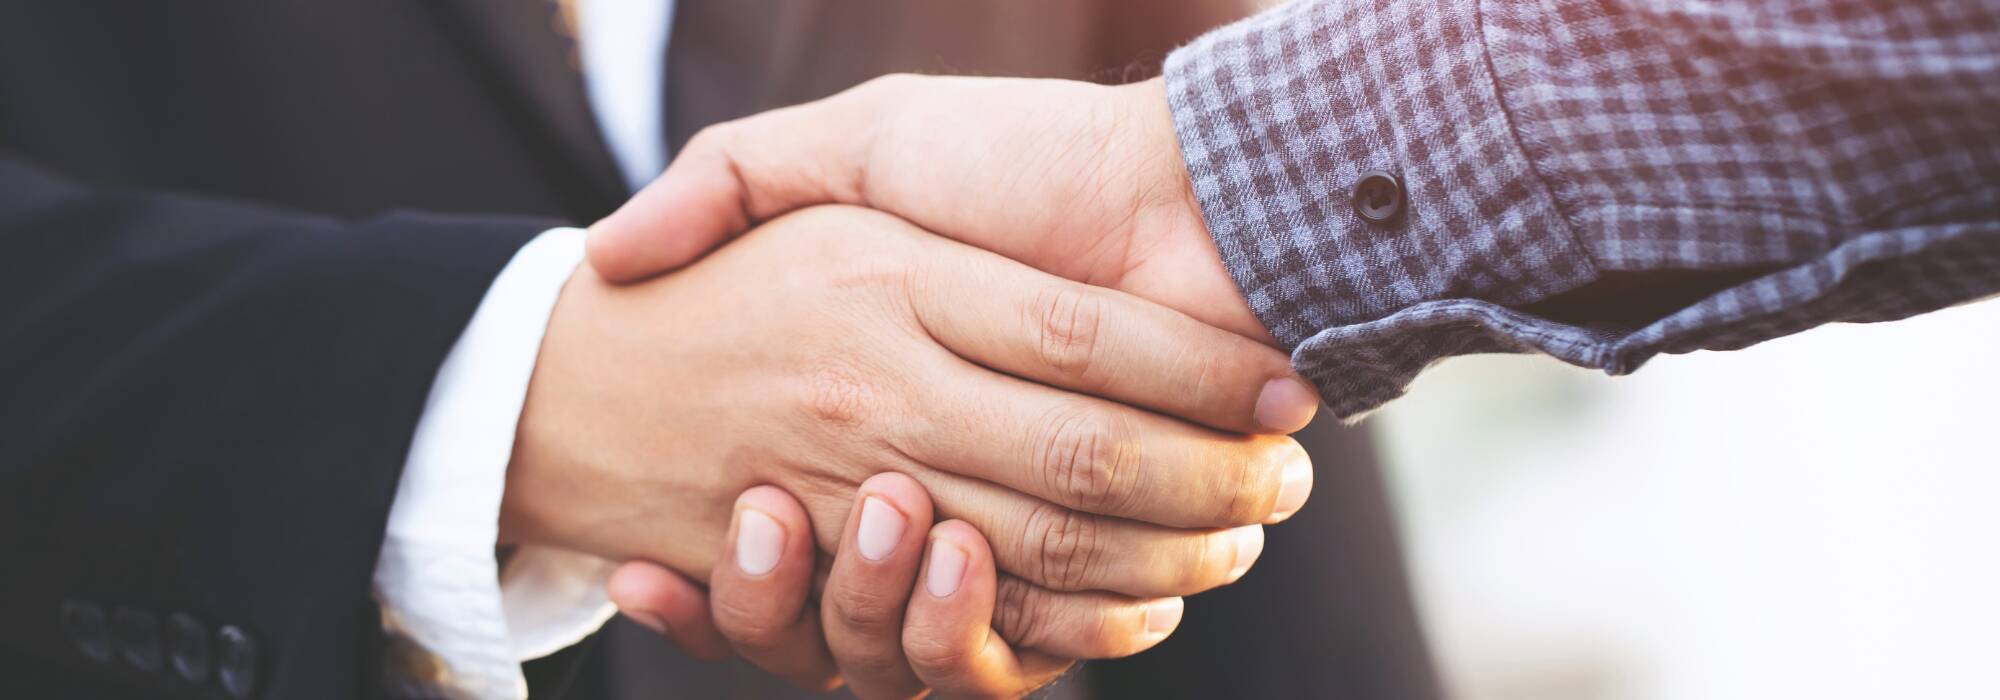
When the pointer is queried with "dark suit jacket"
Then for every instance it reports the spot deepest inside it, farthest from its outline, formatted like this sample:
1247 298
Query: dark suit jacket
238 236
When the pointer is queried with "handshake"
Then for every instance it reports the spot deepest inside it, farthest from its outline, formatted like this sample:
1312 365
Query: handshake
996 409
939 384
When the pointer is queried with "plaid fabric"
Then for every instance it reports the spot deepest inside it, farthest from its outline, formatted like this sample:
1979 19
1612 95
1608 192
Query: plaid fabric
1849 147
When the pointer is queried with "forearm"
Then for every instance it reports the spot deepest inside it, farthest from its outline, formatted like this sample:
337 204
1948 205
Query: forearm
1600 186
466 626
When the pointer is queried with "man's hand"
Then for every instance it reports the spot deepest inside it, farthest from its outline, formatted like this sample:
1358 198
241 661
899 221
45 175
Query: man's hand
904 609
1078 180
834 344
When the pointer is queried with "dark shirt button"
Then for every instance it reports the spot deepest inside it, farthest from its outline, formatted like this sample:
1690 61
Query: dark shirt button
187 647
1378 198
83 623
138 636
236 662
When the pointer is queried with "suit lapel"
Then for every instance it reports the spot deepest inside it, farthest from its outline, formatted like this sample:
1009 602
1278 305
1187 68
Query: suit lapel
531 63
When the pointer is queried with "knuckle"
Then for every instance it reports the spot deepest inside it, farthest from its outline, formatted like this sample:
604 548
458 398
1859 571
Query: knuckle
866 614
1088 459
1202 381
753 633
936 657
1183 568
1065 546
1109 635
837 396
1016 612
1068 321
1251 480
1189 563
1216 375
1216 556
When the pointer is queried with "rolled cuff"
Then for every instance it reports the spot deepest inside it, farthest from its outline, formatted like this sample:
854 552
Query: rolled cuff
1282 116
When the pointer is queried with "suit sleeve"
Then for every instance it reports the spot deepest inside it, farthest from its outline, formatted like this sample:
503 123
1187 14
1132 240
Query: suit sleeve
204 408
1394 182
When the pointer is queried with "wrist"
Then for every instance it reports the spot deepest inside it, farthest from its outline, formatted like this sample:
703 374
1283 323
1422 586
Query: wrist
588 472
531 503
1174 259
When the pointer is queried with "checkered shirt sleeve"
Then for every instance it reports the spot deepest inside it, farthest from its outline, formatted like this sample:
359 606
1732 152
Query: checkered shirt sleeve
1844 152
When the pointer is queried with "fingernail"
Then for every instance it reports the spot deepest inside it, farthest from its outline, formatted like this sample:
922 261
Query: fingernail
1292 495
1249 542
759 542
947 569
1286 405
648 620
1162 616
880 529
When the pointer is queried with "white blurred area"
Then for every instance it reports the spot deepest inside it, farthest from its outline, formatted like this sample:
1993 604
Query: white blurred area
1816 517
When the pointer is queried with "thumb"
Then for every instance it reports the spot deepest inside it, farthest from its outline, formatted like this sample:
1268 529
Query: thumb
732 176
696 205
668 604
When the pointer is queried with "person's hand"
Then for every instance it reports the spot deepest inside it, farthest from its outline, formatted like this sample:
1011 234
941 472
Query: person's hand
1082 181
904 609
837 343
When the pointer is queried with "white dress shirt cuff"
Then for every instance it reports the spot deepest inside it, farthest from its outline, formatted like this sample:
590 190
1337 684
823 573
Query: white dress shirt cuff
458 627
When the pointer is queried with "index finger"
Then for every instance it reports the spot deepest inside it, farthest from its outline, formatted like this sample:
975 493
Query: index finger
1014 319
948 633
759 594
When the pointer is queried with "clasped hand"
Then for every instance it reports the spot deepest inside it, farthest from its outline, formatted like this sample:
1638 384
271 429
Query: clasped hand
1079 401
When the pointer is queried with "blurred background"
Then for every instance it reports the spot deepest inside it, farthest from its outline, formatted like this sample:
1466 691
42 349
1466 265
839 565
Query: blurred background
1815 517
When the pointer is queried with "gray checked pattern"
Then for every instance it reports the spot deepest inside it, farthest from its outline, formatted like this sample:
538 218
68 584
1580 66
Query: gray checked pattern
1843 154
